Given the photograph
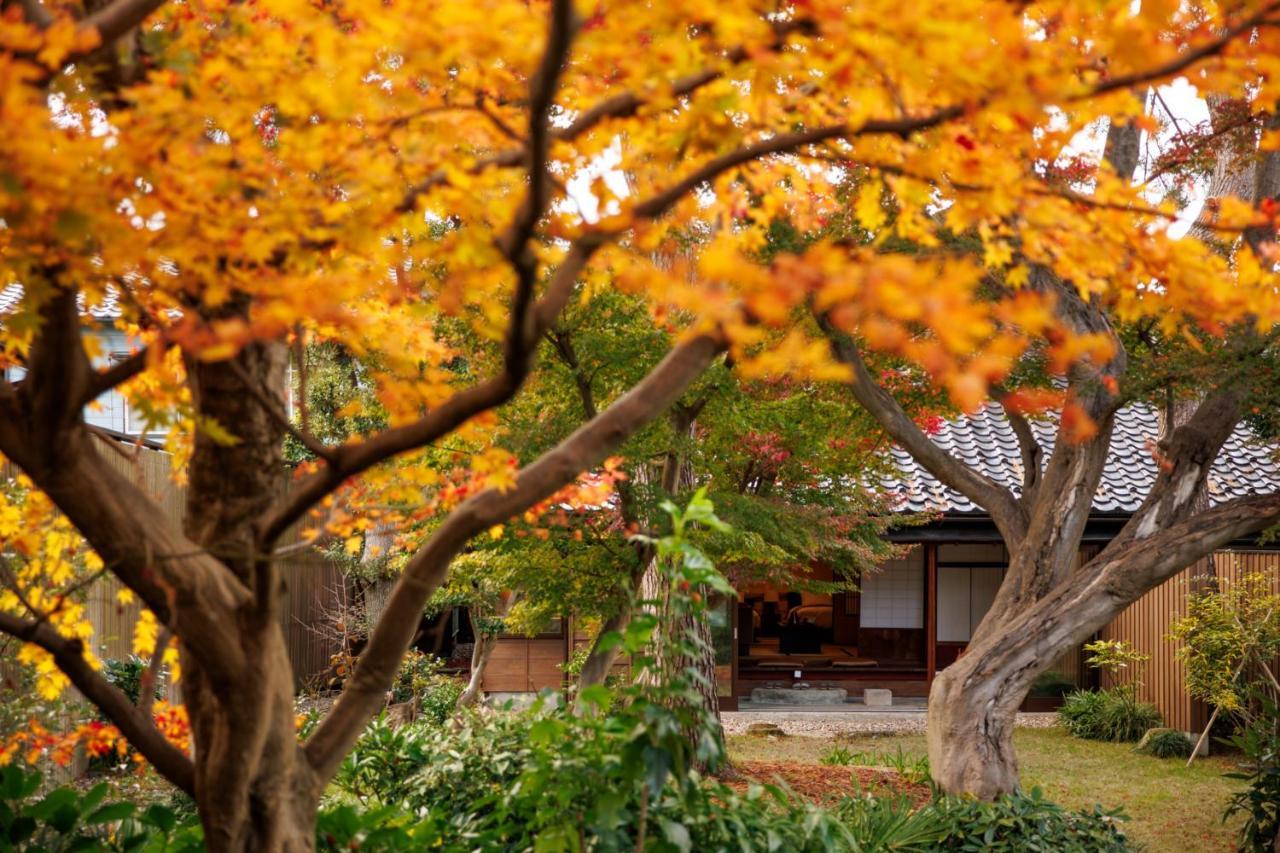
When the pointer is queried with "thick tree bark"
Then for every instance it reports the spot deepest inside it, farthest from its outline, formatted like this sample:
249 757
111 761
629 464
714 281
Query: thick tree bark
699 668
253 788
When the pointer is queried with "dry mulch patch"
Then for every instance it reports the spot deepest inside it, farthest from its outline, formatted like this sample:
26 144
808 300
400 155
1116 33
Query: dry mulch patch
820 782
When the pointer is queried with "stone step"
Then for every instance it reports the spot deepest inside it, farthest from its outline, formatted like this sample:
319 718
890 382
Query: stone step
799 696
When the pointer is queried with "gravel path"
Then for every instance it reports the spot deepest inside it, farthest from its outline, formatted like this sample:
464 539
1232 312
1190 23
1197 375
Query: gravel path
832 723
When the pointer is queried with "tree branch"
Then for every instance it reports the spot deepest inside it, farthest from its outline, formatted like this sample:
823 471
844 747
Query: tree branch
1188 457
147 682
36 14
118 18
1031 451
275 409
515 241
1186 60
1006 512
136 725
427 570
100 382
622 105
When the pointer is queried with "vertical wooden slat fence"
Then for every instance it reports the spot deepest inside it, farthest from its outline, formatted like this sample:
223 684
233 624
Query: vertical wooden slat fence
1145 624
312 582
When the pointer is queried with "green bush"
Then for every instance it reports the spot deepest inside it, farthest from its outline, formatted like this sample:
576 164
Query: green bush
420 680
1051 685
1259 803
126 674
1025 822
66 819
1166 743
547 779
382 760
1111 715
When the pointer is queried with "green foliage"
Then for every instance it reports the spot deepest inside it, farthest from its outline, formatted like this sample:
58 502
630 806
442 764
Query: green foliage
837 756
1027 822
376 768
549 780
420 680
912 769
1051 684
1111 715
1166 743
1225 631
127 674
65 819
1259 803
1117 657
891 824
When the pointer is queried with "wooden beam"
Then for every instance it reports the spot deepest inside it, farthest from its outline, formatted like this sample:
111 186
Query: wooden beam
931 610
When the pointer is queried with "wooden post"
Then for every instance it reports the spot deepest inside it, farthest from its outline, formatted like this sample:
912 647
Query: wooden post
931 610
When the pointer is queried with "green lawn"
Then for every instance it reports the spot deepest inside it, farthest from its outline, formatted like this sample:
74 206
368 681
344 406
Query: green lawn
1171 807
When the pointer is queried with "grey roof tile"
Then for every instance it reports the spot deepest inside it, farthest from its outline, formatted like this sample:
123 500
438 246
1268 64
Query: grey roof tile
985 441
108 309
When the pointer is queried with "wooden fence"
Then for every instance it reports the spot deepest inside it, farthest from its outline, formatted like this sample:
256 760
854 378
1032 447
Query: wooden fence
312 583
1145 624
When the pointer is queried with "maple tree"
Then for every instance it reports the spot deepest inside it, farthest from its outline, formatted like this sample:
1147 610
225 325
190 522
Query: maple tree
243 177
1206 373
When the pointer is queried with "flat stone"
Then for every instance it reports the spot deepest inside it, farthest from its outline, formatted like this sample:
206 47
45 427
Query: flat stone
803 696
874 697
765 730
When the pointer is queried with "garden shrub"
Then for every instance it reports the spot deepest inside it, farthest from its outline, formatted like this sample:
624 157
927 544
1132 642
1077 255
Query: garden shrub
67 819
547 779
126 674
1259 803
1027 821
382 760
1051 685
1166 743
420 680
1110 715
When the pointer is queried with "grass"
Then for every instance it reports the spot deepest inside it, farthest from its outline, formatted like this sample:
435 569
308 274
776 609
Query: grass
1171 807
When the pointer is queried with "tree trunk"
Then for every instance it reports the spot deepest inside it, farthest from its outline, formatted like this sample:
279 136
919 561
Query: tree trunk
698 668
599 662
971 719
254 789
485 643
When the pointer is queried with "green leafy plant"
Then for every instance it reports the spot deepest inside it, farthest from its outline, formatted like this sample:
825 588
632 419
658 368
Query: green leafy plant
837 756
1165 743
64 819
1027 821
912 769
892 824
382 759
127 674
420 680
1121 661
1051 685
1259 802
1228 633
1110 715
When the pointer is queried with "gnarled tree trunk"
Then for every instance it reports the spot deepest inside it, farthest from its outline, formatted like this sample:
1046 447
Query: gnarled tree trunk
1047 603
253 787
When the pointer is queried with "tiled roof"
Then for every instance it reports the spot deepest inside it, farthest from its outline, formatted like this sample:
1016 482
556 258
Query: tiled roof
108 309
986 442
